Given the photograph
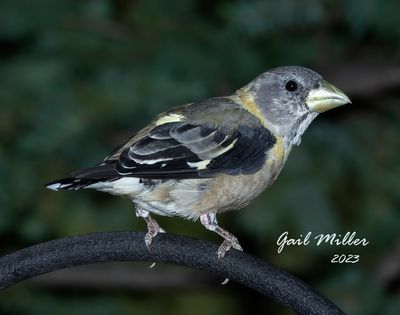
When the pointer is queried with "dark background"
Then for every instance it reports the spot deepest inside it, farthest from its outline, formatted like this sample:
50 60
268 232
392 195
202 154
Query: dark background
78 77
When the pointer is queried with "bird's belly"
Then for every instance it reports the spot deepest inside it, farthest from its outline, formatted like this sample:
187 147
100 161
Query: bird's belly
234 192
191 198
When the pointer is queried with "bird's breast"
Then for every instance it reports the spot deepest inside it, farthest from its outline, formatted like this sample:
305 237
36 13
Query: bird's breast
191 198
227 192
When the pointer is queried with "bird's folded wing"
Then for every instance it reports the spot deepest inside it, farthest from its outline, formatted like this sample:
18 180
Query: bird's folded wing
175 150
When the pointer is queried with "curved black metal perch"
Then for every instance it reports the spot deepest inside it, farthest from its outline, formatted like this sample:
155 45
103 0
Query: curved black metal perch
167 248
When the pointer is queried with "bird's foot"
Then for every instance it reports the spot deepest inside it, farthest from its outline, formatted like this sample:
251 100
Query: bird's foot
229 242
225 246
153 228
209 220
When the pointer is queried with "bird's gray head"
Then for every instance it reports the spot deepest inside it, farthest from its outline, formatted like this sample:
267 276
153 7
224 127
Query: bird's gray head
289 98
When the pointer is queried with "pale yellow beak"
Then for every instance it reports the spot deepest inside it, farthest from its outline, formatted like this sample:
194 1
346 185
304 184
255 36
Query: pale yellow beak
325 97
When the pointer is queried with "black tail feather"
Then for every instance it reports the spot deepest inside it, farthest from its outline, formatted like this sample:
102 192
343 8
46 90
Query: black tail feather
101 171
85 177
71 183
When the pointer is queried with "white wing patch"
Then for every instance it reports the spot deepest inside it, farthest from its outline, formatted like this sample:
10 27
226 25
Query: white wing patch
199 165
216 153
149 162
169 119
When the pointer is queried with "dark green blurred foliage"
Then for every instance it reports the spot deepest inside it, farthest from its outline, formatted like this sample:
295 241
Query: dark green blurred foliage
78 77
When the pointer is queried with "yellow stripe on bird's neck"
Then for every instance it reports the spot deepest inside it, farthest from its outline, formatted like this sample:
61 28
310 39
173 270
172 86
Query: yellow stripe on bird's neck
247 101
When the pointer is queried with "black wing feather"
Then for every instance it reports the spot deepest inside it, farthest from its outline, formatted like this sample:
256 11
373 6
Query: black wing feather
172 150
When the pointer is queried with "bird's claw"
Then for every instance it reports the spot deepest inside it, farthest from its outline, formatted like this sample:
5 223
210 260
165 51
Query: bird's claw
152 230
152 265
227 244
225 282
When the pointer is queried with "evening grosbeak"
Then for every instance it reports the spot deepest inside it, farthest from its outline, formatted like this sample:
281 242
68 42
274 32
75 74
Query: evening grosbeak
204 158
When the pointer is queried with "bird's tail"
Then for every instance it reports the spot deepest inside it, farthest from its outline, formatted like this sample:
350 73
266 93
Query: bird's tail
71 183
85 178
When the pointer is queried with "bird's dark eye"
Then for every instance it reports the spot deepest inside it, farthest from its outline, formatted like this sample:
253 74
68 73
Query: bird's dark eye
291 86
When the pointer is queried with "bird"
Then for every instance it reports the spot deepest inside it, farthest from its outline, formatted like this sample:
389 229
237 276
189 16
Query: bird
201 159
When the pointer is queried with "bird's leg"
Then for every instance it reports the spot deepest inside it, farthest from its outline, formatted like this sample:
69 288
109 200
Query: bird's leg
152 227
210 222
